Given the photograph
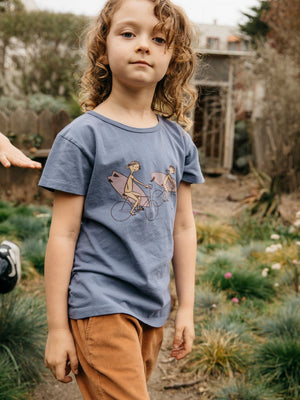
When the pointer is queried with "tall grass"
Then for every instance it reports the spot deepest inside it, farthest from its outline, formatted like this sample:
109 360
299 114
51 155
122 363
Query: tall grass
285 323
218 354
10 388
242 284
242 390
22 334
255 229
207 300
216 232
278 361
29 227
34 251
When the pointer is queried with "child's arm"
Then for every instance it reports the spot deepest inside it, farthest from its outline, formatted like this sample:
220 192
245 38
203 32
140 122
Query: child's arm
184 260
60 354
10 155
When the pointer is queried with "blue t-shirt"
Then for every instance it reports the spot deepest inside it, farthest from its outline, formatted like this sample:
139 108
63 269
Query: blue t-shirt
129 177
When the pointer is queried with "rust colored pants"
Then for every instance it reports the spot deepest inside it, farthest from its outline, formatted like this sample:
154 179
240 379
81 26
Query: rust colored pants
116 354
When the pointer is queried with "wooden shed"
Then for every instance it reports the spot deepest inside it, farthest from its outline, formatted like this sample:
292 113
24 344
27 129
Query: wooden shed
214 113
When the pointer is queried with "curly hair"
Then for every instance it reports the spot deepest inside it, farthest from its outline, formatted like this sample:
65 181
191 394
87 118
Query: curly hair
174 96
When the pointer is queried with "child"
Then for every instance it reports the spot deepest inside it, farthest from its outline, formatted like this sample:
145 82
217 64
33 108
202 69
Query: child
106 278
10 155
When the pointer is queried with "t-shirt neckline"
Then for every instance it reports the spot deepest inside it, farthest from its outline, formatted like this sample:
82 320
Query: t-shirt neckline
155 128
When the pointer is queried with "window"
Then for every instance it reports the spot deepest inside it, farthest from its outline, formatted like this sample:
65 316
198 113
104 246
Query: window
234 46
212 43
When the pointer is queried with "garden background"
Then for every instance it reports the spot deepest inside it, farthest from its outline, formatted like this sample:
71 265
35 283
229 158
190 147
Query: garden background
247 308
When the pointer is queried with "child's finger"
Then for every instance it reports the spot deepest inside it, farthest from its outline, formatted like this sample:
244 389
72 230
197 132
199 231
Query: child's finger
61 373
74 363
177 338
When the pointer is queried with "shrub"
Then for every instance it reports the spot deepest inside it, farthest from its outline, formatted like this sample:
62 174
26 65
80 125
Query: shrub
242 284
230 323
255 229
206 300
285 323
241 390
41 101
22 334
23 226
215 233
34 251
218 353
278 361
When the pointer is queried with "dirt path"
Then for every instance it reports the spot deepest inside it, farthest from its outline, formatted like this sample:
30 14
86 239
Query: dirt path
218 198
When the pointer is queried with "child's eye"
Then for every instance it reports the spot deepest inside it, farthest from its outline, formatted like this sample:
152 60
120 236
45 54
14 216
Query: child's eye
127 35
159 40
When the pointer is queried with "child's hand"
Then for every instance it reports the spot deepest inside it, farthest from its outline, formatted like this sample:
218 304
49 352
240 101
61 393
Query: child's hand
60 355
10 155
184 334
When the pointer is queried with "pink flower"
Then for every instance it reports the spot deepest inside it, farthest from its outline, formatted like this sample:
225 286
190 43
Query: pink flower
228 275
235 300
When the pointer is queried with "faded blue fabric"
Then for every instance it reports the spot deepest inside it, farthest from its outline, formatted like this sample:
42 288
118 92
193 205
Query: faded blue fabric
123 253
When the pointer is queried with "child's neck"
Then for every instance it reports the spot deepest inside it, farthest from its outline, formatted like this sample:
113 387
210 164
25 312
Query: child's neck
132 109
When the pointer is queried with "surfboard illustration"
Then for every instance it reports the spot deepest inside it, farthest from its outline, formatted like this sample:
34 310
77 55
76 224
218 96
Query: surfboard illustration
118 182
159 178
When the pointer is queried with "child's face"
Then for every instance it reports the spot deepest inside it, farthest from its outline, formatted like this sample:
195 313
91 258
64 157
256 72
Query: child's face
134 167
136 54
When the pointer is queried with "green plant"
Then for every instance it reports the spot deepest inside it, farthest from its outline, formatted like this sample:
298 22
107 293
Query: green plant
285 323
22 334
23 226
242 283
241 390
230 323
4 214
207 300
34 251
218 353
215 233
251 228
278 361
10 388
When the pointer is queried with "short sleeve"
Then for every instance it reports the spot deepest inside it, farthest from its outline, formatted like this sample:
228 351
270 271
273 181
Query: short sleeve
67 169
192 171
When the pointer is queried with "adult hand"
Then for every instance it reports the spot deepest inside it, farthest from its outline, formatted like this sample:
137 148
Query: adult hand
10 155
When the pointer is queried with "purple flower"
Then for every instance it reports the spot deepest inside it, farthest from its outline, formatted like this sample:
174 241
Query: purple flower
228 275
235 300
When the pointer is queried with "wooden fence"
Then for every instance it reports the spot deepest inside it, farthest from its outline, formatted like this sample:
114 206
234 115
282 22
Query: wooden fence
33 133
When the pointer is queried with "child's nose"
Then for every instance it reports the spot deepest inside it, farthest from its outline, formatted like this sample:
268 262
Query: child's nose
143 46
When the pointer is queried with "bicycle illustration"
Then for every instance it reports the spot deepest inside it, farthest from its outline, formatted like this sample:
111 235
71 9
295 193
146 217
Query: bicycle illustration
121 210
134 199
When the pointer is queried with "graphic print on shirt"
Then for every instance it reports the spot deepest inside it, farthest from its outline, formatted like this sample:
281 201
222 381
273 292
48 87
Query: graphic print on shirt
134 198
165 180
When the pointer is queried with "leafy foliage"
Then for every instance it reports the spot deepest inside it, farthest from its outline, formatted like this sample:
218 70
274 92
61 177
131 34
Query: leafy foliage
50 55
283 18
255 27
